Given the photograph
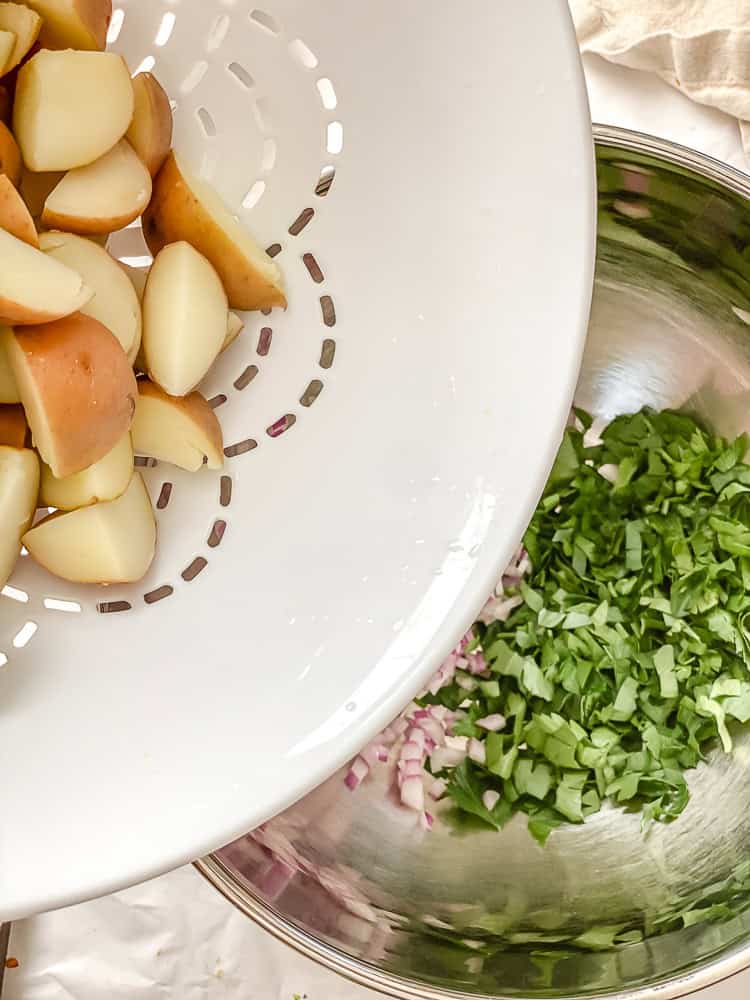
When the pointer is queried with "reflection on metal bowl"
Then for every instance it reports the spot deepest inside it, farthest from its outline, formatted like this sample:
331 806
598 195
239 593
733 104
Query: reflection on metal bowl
350 878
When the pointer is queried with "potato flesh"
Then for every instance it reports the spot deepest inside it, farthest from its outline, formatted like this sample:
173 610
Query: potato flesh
106 480
7 44
34 288
19 487
73 24
15 217
111 542
25 25
71 108
102 196
182 432
184 319
150 132
184 207
235 326
114 302
77 388
8 387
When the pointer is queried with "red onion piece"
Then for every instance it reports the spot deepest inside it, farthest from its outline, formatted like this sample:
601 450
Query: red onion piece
476 751
492 723
490 799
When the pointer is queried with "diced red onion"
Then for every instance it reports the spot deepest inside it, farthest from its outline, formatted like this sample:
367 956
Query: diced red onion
457 742
444 757
410 768
438 788
411 751
358 771
432 729
416 735
427 732
490 799
492 723
412 793
476 751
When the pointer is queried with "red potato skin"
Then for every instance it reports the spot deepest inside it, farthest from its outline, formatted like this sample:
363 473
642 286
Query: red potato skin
14 431
186 220
90 393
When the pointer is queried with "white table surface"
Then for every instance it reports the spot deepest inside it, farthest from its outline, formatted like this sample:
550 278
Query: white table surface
176 937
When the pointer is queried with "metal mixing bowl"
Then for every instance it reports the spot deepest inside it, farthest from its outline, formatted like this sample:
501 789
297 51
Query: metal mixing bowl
351 881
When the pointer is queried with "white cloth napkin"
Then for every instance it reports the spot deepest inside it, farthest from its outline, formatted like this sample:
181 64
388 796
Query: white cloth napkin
701 47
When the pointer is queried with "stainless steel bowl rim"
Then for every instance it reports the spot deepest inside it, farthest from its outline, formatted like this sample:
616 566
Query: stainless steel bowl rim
713 970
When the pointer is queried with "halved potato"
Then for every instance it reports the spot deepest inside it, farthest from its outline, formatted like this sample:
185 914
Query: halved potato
73 24
36 188
19 487
182 431
184 318
71 108
99 198
111 542
183 207
150 132
7 44
138 276
8 389
15 217
35 288
235 326
77 388
114 303
24 24
13 427
105 480
10 155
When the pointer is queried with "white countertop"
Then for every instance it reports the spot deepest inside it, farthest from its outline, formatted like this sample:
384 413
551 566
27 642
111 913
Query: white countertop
176 937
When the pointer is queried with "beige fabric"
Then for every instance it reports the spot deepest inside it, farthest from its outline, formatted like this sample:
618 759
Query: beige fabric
701 47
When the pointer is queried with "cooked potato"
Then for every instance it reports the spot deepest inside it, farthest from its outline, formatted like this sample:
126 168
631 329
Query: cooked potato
99 198
15 217
184 319
7 44
13 427
73 24
35 288
71 108
10 155
114 303
235 326
19 487
77 388
183 207
150 132
24 24
111 542
105 480
8 388
182 431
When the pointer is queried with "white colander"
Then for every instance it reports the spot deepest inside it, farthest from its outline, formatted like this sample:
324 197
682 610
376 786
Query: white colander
424 173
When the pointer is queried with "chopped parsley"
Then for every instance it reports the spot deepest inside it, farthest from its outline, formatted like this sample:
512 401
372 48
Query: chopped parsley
629 655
